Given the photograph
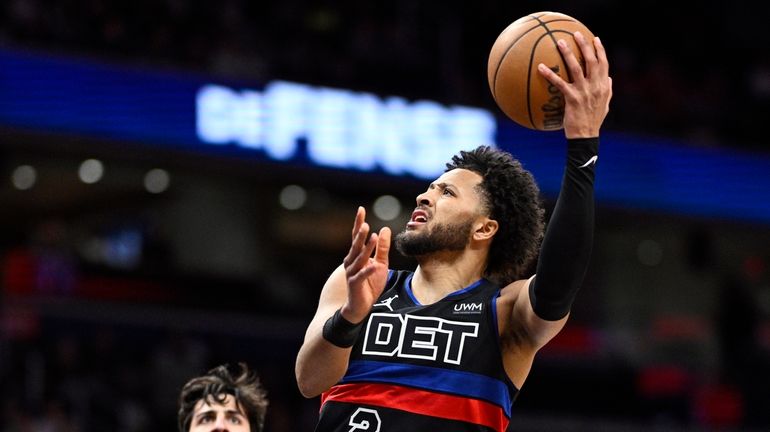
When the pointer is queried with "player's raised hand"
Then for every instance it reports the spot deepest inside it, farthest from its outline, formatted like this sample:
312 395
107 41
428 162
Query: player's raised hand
587 98
366 275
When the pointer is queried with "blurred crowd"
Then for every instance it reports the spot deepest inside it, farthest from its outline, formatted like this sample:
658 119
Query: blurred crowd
695 72
74 376
90 347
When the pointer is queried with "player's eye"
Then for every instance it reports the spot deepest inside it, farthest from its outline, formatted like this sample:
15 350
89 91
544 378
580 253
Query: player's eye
448 191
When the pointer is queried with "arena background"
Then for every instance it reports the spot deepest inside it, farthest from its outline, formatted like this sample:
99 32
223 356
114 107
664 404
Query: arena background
152 227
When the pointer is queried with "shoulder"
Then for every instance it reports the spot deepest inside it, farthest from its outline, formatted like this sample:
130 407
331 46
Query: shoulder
515 292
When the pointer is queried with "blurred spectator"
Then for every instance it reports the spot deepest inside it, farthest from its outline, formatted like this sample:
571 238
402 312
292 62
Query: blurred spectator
219 401
47 265
173 363
56 263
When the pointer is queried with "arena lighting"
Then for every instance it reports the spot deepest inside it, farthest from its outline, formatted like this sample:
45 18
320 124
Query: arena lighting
91 171
342 128
387 207
157 180
307 126
24 177
293 197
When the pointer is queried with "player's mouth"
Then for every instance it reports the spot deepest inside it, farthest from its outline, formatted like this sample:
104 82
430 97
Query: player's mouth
419 217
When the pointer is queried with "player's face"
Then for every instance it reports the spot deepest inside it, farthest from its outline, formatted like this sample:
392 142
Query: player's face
445 216
210 416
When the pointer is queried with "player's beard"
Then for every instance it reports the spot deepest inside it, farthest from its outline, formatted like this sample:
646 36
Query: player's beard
436 238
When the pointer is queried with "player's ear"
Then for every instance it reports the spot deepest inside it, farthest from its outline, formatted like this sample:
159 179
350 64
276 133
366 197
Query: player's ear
485 229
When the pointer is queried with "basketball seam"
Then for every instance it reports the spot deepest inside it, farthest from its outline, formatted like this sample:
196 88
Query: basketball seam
507 50
529 72
529 79
502 59
548 32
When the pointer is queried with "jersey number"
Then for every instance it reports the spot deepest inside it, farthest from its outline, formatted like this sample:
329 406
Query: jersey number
365 419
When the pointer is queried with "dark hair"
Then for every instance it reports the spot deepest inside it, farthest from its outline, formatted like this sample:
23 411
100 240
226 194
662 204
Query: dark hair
512 198
216 385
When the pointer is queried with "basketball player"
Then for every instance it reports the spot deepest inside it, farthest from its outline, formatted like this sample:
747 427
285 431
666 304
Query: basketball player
448 346
220 402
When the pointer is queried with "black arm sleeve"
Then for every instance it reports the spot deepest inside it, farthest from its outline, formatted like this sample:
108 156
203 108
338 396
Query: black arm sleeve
568 240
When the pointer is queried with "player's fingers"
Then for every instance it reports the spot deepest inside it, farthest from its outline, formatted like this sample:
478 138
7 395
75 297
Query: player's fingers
359 277
359 220
573 66
601 55
362 258
383 246
369 249
589 54
553 78
359 240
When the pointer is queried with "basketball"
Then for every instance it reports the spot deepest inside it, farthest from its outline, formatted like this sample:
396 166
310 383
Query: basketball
517 87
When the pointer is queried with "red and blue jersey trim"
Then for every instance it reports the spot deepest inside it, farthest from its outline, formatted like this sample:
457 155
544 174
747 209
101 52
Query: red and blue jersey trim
420 402
426 390
432 379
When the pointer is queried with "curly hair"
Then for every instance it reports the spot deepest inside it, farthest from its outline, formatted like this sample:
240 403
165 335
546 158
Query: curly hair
216 385
512 198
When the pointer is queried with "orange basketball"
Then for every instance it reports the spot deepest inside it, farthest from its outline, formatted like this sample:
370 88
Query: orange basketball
518 88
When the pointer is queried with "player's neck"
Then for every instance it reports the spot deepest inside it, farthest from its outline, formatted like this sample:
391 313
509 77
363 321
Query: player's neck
437 276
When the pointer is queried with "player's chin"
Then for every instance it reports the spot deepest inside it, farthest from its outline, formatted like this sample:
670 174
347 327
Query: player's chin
408 235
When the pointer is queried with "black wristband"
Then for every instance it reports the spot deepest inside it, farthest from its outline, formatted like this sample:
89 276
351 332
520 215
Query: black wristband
341 332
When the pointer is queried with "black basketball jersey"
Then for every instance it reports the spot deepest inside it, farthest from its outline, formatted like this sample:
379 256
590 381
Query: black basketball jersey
423 368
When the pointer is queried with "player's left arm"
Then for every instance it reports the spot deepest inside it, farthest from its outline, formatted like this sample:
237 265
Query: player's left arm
544 301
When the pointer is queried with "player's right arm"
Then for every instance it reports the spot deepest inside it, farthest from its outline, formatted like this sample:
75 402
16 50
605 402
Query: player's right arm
352 289
539 307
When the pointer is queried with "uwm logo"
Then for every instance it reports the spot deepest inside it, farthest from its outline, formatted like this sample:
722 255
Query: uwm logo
468 308
417 337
